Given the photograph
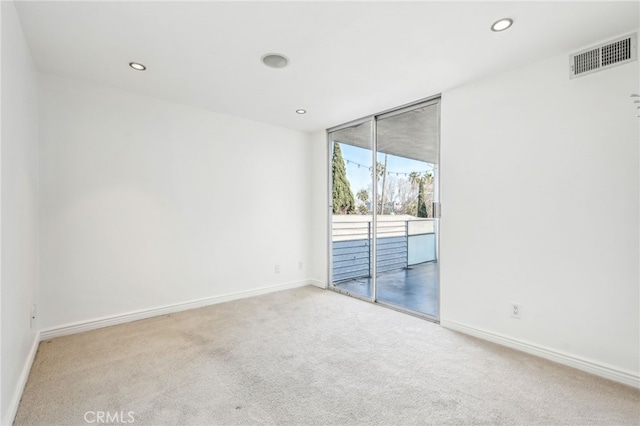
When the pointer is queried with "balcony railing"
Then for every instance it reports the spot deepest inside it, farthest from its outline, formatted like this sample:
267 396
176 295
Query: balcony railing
402 241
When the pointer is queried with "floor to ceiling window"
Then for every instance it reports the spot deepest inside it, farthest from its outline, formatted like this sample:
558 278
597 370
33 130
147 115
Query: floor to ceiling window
384 205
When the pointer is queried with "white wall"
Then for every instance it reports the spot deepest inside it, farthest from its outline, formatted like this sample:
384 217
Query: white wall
146 203
319 209
19 211
540 206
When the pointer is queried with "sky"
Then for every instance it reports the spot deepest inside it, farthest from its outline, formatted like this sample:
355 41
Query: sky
358 161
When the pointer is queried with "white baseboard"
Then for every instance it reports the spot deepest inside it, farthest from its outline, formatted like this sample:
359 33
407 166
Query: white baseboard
318 284
599 369
12 409
93 324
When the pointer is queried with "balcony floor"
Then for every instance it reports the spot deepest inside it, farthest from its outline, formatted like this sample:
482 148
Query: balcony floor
415 288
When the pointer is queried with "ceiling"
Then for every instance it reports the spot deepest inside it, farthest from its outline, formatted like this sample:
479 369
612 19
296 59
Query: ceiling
412 134
348 59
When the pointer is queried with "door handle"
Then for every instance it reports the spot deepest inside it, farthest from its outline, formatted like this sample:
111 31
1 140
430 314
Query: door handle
437 210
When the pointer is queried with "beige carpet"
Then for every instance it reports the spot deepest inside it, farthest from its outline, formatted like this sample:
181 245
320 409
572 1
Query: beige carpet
307 357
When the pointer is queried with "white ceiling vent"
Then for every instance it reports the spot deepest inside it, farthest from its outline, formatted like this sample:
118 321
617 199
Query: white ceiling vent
607 55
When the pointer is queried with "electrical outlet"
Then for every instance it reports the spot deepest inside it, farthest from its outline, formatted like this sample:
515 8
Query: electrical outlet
277 269
34 311
516 310
300 266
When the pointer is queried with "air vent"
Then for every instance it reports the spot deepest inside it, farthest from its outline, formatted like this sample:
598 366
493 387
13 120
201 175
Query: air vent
604 56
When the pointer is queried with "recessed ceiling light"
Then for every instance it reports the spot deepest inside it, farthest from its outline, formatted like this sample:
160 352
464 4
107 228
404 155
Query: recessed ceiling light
275 60
501 25
137 66
301 111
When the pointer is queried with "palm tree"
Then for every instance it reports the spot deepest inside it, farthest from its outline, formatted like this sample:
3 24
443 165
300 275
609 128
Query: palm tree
383 170
414 179
363 197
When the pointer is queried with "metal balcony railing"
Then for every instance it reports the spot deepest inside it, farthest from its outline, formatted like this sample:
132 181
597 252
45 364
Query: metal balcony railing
400 244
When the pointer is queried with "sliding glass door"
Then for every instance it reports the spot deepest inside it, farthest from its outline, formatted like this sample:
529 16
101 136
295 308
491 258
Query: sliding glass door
351 210
408 157
384 208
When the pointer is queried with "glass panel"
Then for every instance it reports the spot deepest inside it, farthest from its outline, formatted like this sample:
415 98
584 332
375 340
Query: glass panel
406 236
351 228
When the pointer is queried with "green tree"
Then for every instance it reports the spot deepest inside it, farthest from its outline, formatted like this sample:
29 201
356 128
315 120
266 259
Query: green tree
411 202
428 191
343 202
422 204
